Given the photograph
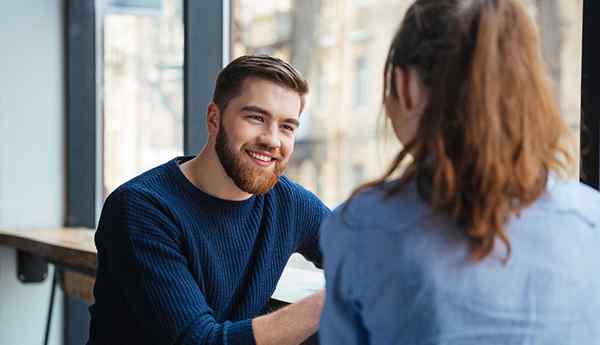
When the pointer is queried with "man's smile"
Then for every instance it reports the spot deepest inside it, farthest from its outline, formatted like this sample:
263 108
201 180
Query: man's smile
262 159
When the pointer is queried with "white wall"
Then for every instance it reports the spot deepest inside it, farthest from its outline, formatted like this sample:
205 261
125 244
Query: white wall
32 159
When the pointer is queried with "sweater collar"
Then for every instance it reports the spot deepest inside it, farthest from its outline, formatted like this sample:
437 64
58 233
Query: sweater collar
201 196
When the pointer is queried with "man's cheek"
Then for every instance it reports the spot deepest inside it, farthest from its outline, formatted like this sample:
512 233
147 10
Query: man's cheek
287 150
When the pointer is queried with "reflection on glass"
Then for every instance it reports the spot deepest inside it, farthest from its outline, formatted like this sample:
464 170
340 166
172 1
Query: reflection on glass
143 90
340 46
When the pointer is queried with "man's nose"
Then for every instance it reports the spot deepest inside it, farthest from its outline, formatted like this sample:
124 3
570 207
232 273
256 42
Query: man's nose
270 137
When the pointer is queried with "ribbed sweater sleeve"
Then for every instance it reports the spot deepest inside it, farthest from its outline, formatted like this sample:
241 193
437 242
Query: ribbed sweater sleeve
312 212
147 261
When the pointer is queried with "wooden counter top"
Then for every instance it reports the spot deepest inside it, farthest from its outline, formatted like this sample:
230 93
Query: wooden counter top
69 247
74 248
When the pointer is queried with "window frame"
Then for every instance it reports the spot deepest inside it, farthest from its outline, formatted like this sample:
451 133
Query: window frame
83 142
206 50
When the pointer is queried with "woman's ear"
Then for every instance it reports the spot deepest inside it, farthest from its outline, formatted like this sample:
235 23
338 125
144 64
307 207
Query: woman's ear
402 78
418 93
406 109
412 94
394 104
213 119
402 81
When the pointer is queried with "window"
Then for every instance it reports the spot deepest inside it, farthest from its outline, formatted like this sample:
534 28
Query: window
140 59
339 47
143 87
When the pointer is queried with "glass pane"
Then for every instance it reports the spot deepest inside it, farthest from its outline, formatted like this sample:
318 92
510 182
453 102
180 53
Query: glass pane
339 46
143 87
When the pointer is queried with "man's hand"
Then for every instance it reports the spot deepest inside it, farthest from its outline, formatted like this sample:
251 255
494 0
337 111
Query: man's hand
290 325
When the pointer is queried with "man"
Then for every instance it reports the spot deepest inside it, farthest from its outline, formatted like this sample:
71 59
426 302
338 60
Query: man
191 251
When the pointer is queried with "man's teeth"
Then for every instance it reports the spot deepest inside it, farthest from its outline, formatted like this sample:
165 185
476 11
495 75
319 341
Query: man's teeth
260 157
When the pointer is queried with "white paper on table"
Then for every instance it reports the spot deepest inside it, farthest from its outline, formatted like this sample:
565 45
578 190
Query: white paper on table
296 284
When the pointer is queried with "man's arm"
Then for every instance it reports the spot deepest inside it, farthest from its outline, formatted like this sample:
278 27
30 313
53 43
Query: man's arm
313 213
290 325
139 246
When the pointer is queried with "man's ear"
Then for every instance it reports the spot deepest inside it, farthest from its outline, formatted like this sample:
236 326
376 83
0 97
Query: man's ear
213 119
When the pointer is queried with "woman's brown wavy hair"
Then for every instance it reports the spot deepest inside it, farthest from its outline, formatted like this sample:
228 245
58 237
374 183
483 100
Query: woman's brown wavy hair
491 132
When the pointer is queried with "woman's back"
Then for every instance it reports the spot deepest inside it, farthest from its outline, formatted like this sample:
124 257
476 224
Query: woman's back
491 249
402 274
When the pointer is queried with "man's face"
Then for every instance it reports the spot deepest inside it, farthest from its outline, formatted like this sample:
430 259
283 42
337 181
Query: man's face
256 134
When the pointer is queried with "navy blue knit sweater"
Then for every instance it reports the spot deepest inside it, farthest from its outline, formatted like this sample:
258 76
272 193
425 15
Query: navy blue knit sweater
178 266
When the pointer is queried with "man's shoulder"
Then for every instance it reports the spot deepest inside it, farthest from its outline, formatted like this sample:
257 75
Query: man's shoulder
147 184
130 193
136 207
149 190
290 191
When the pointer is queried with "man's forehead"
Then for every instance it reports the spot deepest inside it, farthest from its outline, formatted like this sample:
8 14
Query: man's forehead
269 95
251 84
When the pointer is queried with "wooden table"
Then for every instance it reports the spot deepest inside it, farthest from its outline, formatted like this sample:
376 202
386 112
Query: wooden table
74 250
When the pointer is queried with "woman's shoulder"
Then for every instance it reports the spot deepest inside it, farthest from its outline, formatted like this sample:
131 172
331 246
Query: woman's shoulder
569 195
376 209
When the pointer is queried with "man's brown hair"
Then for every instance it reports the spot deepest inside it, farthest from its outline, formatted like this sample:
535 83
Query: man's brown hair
231 78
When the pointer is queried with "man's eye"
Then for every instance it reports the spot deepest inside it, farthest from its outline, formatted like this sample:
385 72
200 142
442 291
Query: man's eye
256 117
288 128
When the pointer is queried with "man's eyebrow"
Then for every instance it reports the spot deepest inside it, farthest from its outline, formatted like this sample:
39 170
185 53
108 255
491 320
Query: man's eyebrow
257 109
292 121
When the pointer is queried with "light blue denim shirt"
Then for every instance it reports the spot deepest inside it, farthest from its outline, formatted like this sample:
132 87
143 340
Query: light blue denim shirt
399 274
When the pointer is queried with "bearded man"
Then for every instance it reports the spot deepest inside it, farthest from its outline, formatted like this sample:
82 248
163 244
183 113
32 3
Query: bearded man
191 251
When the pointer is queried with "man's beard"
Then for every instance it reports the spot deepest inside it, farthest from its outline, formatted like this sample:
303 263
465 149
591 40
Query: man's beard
246 177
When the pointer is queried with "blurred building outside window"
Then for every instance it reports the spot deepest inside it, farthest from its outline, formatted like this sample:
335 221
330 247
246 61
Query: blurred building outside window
340 47
143 86
361 82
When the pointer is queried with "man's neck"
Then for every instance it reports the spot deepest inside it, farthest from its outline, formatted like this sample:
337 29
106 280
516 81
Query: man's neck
206 173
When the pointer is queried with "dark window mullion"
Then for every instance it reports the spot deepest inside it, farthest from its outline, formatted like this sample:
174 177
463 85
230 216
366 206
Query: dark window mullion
206 49
82 142
590 103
